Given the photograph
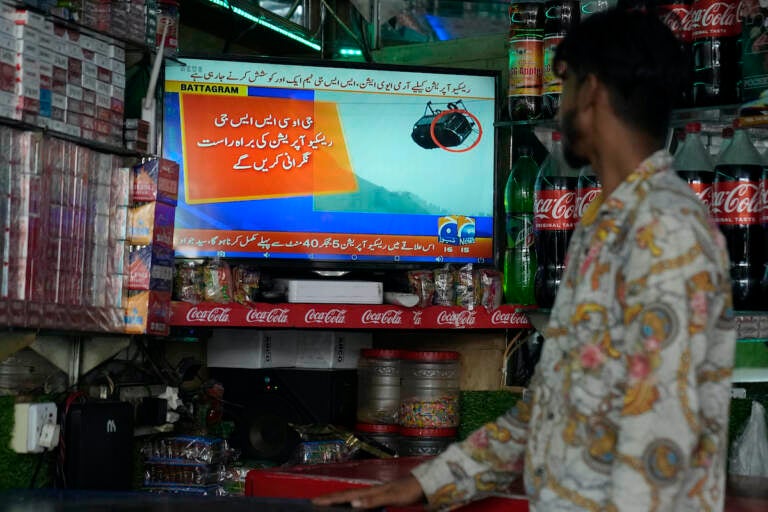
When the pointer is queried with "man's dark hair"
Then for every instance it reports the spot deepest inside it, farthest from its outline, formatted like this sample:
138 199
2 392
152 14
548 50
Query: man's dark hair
636 57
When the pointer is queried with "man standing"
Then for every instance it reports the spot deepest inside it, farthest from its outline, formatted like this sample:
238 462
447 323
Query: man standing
629 407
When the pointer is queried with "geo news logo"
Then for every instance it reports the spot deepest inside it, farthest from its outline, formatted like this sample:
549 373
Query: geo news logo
456 230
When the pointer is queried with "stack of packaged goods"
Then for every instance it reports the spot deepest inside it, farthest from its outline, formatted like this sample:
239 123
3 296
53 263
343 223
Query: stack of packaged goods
150 234
19 213
59 78
129 18
55 214
188 465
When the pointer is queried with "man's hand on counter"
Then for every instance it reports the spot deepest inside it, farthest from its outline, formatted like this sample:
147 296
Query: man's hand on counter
402 492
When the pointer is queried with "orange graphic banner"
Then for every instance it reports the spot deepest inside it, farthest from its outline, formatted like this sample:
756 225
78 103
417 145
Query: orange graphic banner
188 242
238 148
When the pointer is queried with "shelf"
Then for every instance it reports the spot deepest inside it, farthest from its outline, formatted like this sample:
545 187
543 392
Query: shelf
722 115
745 375
92 144
344 316
60 317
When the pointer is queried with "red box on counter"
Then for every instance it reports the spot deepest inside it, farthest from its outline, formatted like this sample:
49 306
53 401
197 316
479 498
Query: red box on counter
156 180
310 481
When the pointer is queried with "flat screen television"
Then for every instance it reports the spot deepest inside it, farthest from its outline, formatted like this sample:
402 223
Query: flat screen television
337 165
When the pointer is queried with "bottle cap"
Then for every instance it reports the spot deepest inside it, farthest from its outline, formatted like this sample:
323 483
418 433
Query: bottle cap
727 132
555 136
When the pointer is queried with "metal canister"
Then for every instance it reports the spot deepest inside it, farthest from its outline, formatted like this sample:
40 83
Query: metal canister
429 393
378 386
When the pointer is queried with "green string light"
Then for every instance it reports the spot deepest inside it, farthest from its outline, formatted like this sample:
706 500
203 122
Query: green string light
264 23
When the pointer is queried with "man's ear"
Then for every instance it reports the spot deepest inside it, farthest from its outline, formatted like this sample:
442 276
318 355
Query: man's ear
590 92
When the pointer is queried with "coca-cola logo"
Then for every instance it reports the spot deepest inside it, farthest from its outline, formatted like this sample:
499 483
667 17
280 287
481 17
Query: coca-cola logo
679 19
716 19
736 202
386 317
216 315
703 191
332 316
272 316
458 319
586 198
554 209
508 318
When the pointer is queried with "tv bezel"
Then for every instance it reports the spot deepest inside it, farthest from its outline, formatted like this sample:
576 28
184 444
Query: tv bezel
301 266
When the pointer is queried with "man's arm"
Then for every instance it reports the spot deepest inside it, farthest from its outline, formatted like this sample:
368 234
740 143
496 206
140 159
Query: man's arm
488 460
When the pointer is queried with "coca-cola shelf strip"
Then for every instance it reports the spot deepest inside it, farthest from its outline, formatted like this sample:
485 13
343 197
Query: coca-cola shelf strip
345 316
18 313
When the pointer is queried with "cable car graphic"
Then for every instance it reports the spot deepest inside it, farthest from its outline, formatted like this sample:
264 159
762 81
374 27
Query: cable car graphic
446 129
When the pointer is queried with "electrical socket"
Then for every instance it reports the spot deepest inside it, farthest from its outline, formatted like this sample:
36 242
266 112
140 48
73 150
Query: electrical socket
29 421
40 414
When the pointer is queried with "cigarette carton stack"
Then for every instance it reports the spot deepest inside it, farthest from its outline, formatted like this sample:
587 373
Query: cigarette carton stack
150 234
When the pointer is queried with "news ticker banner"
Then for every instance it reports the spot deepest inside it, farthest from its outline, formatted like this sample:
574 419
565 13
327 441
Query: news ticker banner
345 316
192 242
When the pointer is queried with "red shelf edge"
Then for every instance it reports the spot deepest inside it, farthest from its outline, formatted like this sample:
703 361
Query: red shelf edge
345 316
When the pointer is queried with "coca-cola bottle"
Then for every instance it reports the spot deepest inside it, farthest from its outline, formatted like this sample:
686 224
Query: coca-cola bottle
736 207
588 188
554 219
520 256
716 36
559 17
677 15
693 164
526 40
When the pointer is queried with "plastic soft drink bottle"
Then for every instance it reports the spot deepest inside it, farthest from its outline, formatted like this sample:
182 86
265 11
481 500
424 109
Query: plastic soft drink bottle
520 255
676 14
554 219
693 164
526 39
716 39
736 207
559 17
588 189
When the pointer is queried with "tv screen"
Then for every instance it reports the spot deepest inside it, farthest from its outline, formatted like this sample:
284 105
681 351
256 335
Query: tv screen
328 163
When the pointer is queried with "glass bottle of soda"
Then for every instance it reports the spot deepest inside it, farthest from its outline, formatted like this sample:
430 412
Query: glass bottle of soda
554 219
588 189
716 37
693 164
526 39
559 17
736 207
520 255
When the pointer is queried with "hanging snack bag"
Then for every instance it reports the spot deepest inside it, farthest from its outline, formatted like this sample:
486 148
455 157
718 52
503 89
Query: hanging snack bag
422 283
246 284
465 287
444 286
218 282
